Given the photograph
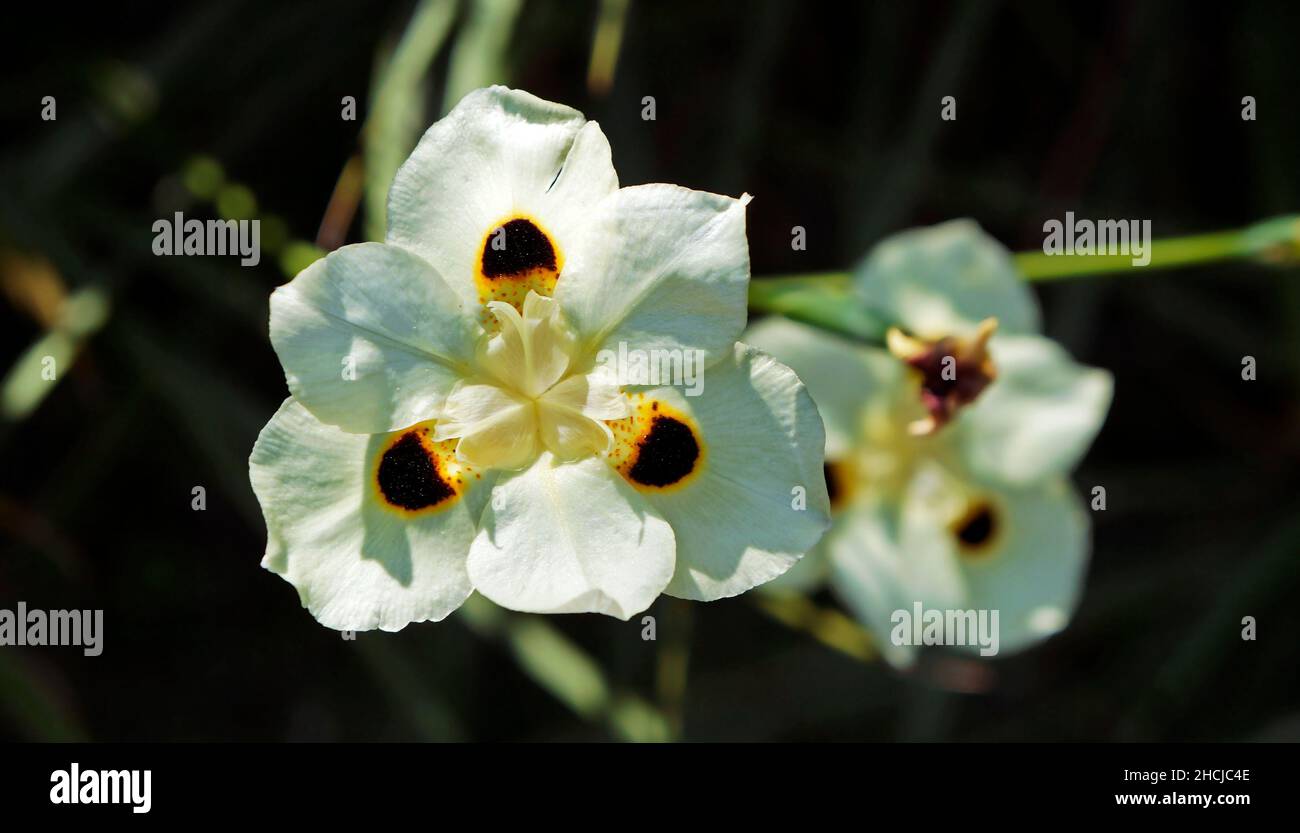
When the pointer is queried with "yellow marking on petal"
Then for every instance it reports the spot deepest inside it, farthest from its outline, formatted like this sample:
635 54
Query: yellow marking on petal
657 448
412 475
516 255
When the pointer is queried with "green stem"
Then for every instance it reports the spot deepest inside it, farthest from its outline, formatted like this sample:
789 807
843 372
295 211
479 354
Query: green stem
827 625
1272 240
673 664
826 300
1275 240
560 667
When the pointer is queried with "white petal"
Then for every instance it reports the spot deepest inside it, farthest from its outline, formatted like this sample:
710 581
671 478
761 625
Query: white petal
661 267
497 429
596 395
568 434
499 153
572 415
571 538
758 501
371 338
866 572
1028 568
842 377
883 559
356 563
1034 573
1038 417
945 279
809 573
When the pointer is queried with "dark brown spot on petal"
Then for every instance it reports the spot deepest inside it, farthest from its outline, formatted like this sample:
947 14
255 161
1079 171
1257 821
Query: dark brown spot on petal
516 248
517 256
657 447
832 488
666 454
839 483
409 477
977 528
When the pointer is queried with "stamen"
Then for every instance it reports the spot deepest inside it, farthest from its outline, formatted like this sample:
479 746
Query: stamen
954 371
524 397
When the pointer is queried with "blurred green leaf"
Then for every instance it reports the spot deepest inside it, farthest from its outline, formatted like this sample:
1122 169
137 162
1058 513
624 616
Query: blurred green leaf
826 301
428 713
566 671
606 43
27 383
236 202
397 111
202 176
33 706
298 255
478 57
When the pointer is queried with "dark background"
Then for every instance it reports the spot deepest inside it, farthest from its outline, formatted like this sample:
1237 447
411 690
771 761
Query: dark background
828 113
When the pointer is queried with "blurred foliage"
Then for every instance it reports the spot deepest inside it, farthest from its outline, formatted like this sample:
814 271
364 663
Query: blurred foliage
828 113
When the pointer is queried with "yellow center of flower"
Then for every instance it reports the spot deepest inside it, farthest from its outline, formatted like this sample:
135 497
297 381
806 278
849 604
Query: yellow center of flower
532 392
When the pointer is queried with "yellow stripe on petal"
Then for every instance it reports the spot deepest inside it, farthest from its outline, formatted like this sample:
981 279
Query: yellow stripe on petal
657 448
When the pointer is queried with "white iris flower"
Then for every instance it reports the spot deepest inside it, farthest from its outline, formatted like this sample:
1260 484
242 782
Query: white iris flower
450 428
949 491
